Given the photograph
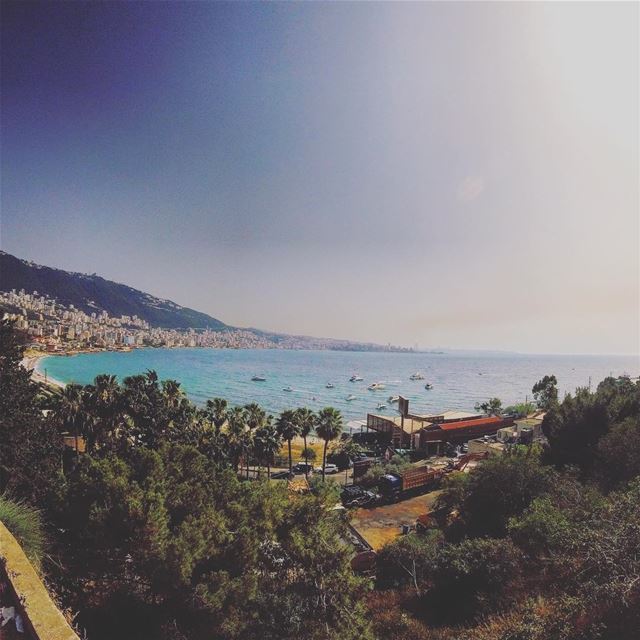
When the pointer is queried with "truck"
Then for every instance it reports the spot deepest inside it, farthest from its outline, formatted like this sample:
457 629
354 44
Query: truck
395 486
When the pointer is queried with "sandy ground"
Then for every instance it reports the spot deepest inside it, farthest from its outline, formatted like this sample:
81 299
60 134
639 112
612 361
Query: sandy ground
381 525
30 363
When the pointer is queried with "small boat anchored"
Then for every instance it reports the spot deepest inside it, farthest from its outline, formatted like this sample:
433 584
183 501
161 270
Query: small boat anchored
329 385
258 379
376 386
350 398
287 389
355 378
393 399
428 386
381 406
416 376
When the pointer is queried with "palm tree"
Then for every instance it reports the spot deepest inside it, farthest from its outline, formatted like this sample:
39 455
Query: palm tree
70 409
255 418
217 412
146 408
267 442
350 449
172 393
305 419
105 402
215 415
328 427
288 429
236 430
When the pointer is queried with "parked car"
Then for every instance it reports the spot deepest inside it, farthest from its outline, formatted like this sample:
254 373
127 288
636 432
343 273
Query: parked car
328 468
356 496
302 467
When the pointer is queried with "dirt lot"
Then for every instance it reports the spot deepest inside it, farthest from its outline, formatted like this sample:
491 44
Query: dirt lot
382 524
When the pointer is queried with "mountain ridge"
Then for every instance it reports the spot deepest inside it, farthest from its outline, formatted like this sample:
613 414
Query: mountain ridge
91 293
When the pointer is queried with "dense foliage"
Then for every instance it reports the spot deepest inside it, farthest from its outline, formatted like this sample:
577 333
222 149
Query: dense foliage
540 543
154 532
29 449
202 552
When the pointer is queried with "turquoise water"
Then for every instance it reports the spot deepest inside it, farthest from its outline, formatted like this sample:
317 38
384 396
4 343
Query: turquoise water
459 380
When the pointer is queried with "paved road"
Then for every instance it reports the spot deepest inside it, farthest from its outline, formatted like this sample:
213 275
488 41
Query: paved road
335 477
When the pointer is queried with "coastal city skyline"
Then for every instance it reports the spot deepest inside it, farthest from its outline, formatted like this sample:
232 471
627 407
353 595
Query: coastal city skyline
54 327
343 170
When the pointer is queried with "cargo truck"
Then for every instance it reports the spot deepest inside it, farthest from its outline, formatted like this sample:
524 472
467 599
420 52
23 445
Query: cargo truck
395 486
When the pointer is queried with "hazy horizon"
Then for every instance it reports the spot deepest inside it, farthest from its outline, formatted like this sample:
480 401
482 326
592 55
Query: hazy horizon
459 176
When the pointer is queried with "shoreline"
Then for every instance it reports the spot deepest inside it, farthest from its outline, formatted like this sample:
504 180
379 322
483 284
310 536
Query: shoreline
31 363
202 377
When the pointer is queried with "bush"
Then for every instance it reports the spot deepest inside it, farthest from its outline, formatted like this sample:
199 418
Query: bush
500 488
452 582
473 576
397 464
618 454
407 561
24 523
542 529
308 454
521 409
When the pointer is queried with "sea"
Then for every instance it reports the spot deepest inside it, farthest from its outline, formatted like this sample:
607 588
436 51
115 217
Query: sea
459 379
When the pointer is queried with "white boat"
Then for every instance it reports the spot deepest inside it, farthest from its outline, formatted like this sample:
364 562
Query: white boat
381 406
376 386
287 389
416 376
355 378
428 386
329 385
350 398
258 378
393 399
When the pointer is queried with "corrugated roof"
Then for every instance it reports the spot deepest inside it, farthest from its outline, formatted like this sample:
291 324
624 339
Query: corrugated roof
450 415
465 424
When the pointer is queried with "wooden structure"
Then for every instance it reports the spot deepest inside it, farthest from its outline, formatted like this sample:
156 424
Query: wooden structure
463 430
431 432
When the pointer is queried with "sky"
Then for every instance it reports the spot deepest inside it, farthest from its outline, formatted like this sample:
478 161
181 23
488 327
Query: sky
460 175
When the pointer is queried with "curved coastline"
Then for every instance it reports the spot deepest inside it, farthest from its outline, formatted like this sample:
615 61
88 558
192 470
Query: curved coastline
35 364
459 381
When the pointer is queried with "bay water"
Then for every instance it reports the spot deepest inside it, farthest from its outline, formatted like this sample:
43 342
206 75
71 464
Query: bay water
459 379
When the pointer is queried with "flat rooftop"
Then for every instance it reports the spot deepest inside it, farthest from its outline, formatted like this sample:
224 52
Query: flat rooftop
410 425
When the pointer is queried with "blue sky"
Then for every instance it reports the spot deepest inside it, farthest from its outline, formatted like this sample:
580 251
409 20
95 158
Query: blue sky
461 174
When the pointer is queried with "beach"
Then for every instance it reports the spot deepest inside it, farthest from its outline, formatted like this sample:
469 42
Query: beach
30 363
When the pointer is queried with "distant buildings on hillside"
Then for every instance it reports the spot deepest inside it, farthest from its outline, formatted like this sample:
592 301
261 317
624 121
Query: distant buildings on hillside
55 327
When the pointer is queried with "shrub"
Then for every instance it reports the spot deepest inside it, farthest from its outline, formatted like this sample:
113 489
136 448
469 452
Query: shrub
407 561
475 575
500 488
24 523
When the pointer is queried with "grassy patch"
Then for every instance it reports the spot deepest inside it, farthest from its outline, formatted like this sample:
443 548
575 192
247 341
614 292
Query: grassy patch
24 523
